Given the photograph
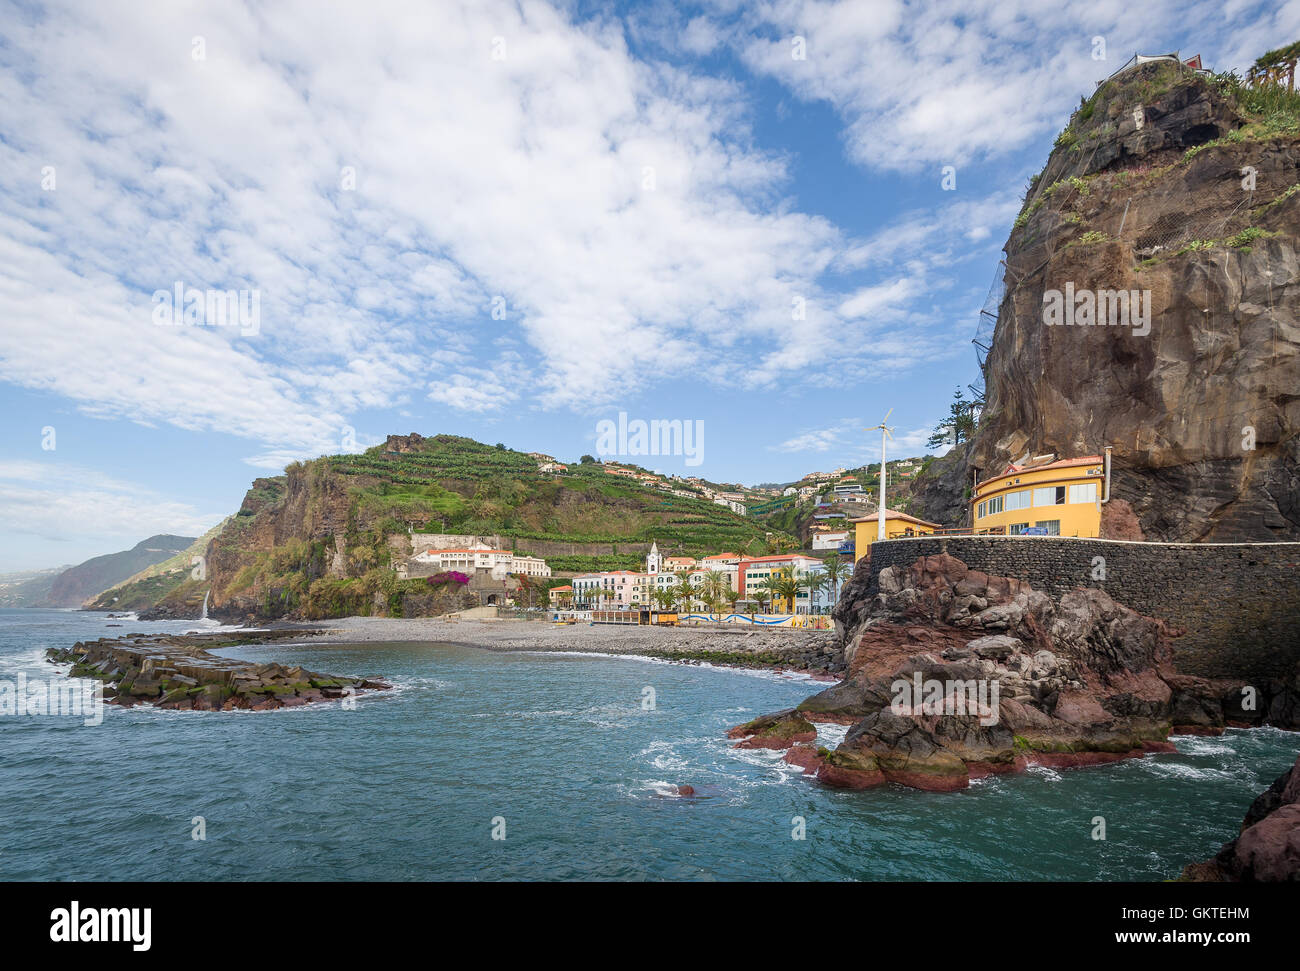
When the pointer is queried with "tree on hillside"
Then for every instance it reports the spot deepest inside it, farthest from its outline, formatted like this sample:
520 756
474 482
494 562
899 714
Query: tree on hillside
958 426
1276 66
586 460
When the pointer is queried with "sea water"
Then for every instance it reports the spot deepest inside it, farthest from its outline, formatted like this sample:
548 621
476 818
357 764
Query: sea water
495 766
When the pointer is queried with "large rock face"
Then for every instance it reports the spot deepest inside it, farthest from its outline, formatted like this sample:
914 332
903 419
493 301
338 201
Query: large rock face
954 674
941 492
1148 190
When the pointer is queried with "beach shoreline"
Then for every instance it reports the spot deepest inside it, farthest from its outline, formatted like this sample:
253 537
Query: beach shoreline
811 652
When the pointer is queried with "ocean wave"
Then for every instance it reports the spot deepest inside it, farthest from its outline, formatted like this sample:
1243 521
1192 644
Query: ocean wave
1182 770
829 734
765 674
1201 745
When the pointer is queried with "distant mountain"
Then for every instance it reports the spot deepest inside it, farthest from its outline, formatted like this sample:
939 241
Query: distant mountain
172 578
28 587
75 585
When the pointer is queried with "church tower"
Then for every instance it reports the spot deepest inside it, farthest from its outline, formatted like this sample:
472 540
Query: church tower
652 561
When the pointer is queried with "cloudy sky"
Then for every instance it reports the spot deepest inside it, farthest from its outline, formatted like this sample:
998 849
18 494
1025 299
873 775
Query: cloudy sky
508 220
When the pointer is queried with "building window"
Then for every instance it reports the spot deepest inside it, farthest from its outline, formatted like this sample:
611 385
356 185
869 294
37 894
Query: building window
1053 526
1085 492
1049 496
1015 529
995 505
980 513
1018 500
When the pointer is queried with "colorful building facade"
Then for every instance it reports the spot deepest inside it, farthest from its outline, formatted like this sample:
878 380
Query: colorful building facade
897 524
1061 498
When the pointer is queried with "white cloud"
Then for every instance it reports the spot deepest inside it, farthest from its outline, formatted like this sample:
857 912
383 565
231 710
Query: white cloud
69 503
882 298
618 206
949 82
820 439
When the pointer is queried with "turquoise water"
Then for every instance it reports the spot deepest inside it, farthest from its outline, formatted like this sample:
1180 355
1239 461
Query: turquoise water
406 787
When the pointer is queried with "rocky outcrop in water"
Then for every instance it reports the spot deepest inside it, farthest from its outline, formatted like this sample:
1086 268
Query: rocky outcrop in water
954 675
177 671
1268 848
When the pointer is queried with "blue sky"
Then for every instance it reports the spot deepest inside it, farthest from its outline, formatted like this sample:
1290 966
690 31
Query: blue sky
648 189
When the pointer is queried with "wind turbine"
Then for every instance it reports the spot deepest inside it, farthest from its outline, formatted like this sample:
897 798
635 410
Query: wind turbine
884 434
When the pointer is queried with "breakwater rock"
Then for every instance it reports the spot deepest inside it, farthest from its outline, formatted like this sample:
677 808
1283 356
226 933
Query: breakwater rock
178 671
954 674
1268 848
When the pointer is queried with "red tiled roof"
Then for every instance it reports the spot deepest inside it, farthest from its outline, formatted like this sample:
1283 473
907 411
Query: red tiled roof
894 514
1013 469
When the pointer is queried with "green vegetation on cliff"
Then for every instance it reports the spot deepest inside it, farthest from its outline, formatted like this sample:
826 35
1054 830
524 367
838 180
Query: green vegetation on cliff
315 542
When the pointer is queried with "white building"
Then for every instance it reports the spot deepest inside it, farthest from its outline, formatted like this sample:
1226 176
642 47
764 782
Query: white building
615 590
829 539
480 557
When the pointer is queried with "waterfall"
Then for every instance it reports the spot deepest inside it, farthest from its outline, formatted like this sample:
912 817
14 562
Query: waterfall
206 595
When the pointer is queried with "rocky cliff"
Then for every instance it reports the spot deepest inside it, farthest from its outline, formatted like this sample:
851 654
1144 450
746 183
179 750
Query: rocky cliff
953 674
1183 192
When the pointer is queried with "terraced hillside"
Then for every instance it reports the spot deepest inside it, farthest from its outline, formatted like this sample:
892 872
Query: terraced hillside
315 542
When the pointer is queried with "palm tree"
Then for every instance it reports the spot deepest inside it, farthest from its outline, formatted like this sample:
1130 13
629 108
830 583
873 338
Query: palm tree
788 587
682 592
814 582
836 571
664 597
716 589
732 597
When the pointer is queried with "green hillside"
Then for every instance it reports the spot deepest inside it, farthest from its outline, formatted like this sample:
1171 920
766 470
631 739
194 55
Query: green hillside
314 541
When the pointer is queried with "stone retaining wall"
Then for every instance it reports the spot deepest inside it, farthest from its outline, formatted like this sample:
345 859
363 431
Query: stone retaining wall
1238 603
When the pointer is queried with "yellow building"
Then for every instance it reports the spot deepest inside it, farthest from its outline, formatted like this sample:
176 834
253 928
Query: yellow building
1063 497
897 524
